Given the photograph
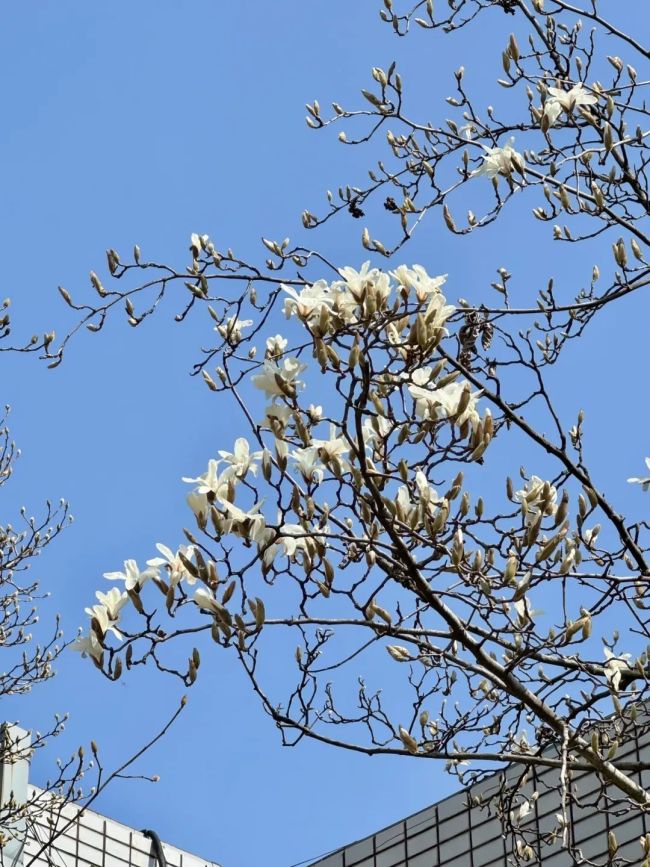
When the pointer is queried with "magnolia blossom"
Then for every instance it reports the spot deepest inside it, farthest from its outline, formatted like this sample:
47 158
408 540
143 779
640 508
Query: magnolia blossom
535 496
248 525
500 161
427 493
438 311
100 615
308 303
241 460
307 462
404 502
417 278
276 345
206 601
198 503
559 100
211 481
341 298
272 373
334 447
176 569
616 664
356 282
232 328
276 413
293 539
88 645
445 402
375 430
132 576
113 601
643 481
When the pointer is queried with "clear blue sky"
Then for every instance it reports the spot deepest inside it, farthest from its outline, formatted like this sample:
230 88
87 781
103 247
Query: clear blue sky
141 122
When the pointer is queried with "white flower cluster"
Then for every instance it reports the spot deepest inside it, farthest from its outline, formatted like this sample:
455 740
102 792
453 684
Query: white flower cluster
105 616
218 494
501 161
537 497
454 400
559 100
358 294
428 503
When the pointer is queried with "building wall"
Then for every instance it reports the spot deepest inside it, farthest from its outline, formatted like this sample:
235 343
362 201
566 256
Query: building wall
35 830
452 833
89 839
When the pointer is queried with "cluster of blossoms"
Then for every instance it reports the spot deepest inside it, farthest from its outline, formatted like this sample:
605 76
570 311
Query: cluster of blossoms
559 100
428 503
105 616
359 297
537 498
454 400
501 161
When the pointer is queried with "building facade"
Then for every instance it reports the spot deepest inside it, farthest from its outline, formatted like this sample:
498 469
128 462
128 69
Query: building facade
464 830
67 835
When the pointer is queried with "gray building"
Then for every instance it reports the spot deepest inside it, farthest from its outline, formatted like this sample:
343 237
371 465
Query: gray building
465 830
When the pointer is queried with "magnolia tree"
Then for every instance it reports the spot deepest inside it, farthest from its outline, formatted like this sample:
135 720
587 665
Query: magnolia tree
30 652
379 578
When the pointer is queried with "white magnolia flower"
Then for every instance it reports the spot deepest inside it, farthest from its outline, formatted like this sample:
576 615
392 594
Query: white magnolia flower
113 601
559 100
241 460
211 481
334 447
88 645
231 330
403 500
536 494
375 430
427 493
206 601
643 481
105 623
315 413
500 161
132 576
288 371
276 345
438 311
616 664
265 540
176 570
307 303
248 525
421 376
198 503
307 462
276 413
293 539
441 403
356 283
417 278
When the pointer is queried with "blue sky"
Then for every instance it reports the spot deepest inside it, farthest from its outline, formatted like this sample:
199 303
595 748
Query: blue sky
140 123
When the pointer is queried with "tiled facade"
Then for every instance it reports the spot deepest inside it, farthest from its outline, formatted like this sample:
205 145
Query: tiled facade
453 834
92 840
